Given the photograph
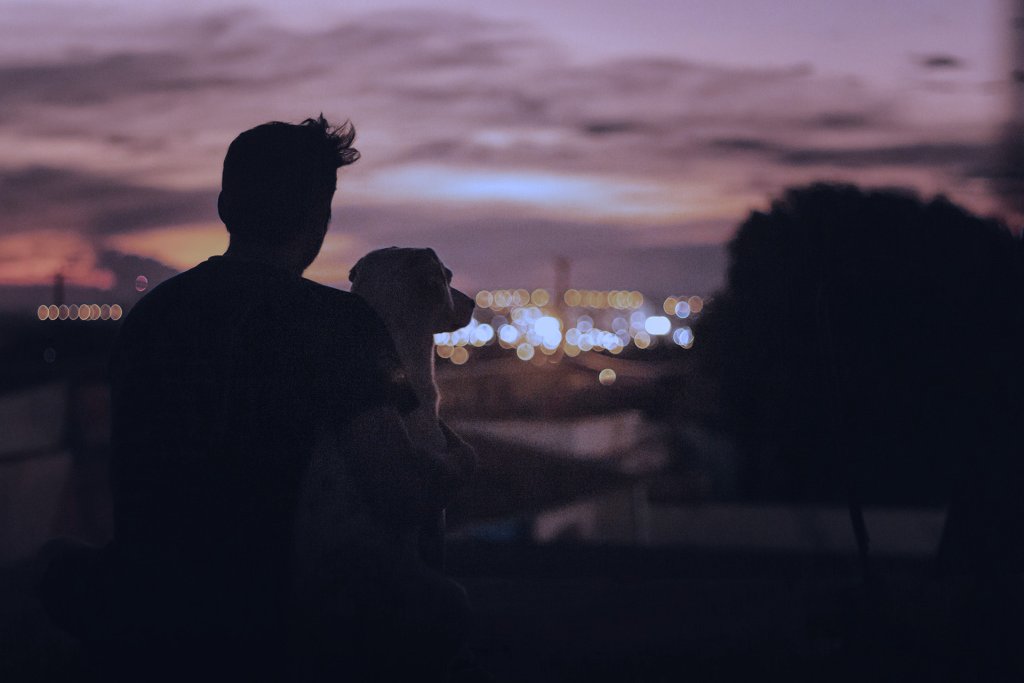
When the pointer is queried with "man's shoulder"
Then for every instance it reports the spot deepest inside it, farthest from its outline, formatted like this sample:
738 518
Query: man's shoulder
343 306
332 295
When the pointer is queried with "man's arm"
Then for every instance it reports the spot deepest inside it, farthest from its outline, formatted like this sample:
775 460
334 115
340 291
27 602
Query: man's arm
405 483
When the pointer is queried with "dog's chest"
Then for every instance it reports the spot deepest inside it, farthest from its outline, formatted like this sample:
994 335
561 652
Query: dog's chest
424 428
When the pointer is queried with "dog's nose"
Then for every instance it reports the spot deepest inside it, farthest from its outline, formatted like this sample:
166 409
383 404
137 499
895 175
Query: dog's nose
463 306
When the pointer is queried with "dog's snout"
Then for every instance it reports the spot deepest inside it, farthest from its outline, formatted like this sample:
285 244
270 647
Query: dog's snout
462 308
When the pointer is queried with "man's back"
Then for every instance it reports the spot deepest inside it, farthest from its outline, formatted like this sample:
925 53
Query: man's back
221 378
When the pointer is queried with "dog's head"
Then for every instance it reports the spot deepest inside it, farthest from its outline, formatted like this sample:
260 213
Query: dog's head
412 283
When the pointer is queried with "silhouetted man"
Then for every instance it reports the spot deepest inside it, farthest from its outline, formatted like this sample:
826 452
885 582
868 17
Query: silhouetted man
222 378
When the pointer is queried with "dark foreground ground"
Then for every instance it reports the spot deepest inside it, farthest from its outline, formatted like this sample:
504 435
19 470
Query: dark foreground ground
569 613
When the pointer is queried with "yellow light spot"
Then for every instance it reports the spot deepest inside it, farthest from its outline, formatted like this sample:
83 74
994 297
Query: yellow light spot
502 299
105 312
43 312
94 311
606 377
670 305
115 312
521 297
460 355
636 299
54 312
642 340
445 351
696 304
484 299
540 297
572 298
571 350
524 351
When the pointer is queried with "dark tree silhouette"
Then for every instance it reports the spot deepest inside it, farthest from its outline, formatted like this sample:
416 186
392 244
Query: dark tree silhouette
868 337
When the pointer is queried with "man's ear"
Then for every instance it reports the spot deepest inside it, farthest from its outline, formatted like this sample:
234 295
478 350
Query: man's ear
353 273
222 209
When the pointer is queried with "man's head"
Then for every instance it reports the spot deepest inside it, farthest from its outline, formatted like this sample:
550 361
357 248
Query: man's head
278 182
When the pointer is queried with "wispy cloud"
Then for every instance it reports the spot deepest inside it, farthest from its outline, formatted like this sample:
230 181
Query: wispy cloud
940 61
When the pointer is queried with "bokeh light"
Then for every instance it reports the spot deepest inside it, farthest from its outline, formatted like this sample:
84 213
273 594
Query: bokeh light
484 299
657 324
460 355
683 337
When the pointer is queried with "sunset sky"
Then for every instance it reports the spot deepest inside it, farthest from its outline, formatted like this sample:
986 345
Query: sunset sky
631 137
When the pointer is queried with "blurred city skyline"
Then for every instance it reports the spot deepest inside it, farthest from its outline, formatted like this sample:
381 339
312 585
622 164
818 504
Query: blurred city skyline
629 137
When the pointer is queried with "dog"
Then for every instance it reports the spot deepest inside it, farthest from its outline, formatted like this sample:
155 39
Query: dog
410 290
352 561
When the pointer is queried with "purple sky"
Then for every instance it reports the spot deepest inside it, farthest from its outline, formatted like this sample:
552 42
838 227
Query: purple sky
631 137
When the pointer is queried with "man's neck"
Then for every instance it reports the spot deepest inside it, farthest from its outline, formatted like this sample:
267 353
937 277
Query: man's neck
281 257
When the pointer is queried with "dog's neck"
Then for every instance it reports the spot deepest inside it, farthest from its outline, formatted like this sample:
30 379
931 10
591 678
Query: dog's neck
415 347
416 351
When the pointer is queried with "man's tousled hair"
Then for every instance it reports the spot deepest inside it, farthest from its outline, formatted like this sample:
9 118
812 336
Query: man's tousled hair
276 173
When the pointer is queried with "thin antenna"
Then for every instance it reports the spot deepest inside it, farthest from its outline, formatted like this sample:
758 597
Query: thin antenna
58 288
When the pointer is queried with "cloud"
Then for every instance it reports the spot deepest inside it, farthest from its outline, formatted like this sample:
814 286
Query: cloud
35 257
48 198
842 120
481 135
486 249
942 62
929 155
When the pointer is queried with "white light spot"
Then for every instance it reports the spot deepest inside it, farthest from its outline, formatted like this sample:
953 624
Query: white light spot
657 324
683 337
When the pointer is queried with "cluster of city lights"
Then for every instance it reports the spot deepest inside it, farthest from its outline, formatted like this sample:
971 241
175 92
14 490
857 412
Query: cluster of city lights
683 306
505 299
524 322
80 312
620 300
